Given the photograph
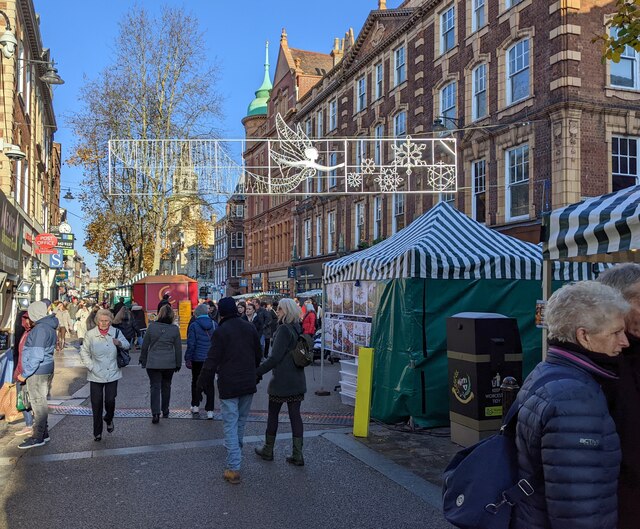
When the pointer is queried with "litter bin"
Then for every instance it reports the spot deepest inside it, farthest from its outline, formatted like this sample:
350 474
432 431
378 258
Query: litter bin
482 349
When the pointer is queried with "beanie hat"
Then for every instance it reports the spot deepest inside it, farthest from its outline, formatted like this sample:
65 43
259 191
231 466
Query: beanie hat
201 310
37 310
227 307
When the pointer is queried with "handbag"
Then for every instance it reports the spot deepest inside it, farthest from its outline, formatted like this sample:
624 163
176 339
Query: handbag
8 398
123 358
22 401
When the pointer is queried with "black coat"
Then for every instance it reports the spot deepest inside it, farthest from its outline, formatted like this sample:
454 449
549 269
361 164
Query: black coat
624 402
287 380
235 354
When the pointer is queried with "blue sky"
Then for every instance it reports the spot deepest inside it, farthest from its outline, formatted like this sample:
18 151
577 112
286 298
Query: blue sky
82 35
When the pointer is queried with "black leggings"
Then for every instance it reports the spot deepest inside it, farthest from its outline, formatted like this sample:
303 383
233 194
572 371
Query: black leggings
294 417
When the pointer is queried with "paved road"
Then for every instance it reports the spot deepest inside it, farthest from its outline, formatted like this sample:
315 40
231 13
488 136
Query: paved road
170 475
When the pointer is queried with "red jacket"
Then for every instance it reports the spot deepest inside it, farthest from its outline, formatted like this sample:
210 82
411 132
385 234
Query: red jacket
309 323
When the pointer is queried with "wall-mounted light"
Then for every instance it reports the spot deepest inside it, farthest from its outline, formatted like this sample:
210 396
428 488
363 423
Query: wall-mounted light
24 287
8 41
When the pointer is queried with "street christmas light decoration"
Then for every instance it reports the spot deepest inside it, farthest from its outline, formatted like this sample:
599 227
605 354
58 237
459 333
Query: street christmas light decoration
294 165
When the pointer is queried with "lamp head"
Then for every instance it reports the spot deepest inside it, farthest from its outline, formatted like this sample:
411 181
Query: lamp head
13 152
51 76
8 42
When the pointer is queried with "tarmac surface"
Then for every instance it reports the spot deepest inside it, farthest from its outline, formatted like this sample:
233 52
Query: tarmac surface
170 475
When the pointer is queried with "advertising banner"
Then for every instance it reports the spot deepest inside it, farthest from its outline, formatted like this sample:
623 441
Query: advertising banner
10 236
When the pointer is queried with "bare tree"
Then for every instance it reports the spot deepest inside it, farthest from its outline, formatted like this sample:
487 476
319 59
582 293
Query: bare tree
160 84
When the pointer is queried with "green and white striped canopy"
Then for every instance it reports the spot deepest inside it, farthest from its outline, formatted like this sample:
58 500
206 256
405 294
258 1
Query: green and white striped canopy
600 225
446 244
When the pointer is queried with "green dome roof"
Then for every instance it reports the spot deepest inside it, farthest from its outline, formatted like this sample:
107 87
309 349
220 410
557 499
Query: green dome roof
258 107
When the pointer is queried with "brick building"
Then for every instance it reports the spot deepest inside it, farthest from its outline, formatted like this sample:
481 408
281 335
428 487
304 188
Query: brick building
540 121
229 250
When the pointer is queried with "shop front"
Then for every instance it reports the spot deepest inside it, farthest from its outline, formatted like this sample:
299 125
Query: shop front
278 281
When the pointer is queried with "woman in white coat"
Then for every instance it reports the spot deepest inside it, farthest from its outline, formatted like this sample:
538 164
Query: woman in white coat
99 355
81 321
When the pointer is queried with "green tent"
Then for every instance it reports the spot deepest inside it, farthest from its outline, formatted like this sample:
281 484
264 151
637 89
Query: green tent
441 264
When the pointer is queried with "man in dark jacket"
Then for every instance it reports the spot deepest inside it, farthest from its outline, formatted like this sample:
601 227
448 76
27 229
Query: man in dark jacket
116 307
199 336
234 355
37 369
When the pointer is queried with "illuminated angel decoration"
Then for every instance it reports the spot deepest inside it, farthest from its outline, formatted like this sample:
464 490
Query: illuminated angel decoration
296 156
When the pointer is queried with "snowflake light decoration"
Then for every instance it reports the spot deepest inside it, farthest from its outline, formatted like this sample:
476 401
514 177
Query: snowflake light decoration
441 177
409 154
389 179
354 179
368 166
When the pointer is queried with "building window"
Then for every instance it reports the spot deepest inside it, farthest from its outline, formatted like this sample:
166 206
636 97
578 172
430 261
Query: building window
237 267
477 17
378 132
478 190
447 29
333 173
319 124
331 232
319 235
359 223
398 212
518 72
517 169
307 127
624 162
237 240
400 125
361 93
377 218
479 101
379 80
307 238
400 66
361 152
333 114
239 211
624 74
448 105
511 3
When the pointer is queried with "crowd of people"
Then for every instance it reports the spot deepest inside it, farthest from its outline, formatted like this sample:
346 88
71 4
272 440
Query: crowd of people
235 343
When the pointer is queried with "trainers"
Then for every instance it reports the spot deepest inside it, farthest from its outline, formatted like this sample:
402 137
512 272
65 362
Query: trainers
210 415
30 443
195 409
27 430
232 476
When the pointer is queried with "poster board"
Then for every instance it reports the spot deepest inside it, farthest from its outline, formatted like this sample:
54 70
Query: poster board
348 314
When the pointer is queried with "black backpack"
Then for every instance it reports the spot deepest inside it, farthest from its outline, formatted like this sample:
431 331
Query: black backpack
302 351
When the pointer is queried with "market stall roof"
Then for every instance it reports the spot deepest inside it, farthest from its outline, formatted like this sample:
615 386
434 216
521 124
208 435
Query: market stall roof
446 244
252 295
179 278
607 224
310 293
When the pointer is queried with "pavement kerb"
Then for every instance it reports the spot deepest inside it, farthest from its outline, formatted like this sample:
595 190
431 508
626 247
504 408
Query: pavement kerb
423 489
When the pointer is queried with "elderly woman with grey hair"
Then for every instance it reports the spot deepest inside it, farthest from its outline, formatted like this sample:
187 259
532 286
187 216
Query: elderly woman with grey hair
288 383
566 439
99 355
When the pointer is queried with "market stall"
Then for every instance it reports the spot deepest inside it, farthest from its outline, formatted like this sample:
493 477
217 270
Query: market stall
441 264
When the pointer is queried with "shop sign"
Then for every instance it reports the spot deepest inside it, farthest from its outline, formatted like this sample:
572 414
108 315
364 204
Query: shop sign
10 236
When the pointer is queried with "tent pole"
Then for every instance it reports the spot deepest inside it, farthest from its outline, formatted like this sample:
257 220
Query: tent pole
547 276
323 392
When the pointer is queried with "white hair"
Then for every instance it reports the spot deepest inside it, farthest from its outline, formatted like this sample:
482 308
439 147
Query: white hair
290 311
587 304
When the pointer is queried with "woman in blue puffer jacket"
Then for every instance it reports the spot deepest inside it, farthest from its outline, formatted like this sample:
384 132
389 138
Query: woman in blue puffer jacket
565 434
198 343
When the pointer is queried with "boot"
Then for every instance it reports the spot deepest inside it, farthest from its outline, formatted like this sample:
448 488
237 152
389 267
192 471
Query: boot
266 452
296 458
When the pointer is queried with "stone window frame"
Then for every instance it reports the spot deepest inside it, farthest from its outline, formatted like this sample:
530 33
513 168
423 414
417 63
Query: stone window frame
331 231
400 110
442 34
620 92
378 146
437 40
307 237
319 235
333 117
449 121
626 137
508 184
472 86
378 223
359 228
379 83
437 89
397 200
396 82
360 98
320 122
472 186
507 109
472 9
513 137
524 45
618 125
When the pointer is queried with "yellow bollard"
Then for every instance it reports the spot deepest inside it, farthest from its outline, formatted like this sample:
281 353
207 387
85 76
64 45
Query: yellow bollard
364 386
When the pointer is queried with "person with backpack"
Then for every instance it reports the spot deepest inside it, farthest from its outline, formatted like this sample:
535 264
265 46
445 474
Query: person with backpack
270 325
199 336
288 383
565 435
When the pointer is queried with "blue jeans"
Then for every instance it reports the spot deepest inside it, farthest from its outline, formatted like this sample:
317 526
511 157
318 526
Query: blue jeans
234 417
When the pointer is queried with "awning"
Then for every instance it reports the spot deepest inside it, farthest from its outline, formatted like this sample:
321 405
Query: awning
596 226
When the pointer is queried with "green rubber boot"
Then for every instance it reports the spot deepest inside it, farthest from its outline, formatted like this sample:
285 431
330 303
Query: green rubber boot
296 458
266 452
